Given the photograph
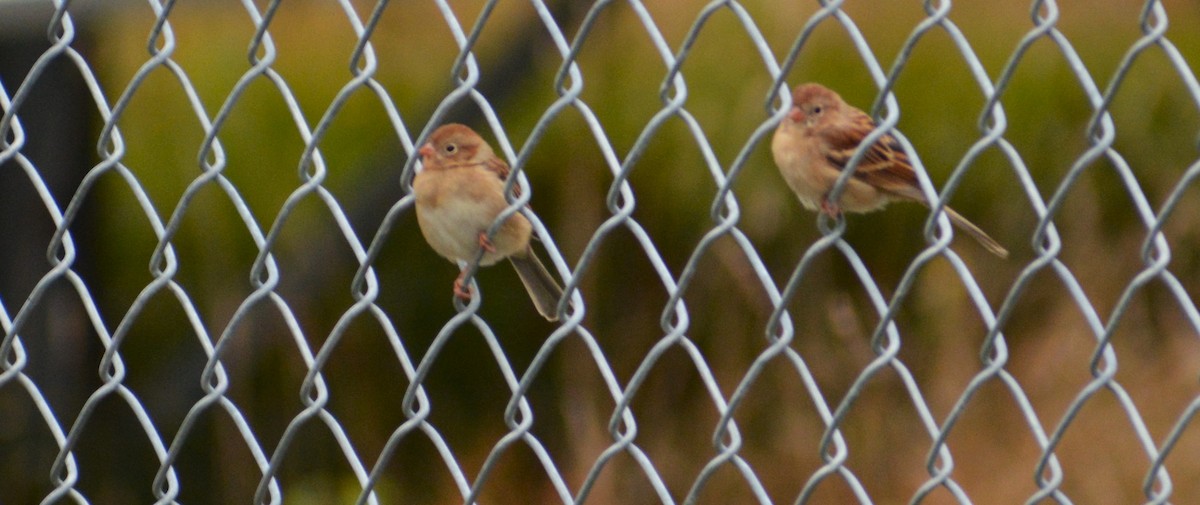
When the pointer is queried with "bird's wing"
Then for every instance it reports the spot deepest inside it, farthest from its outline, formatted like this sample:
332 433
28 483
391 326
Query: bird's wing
497 166
884 165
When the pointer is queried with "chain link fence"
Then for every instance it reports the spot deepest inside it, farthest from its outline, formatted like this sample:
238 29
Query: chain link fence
292 341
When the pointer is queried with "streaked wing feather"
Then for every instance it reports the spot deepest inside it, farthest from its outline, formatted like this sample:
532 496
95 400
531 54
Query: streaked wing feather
884 165
497 166
500 168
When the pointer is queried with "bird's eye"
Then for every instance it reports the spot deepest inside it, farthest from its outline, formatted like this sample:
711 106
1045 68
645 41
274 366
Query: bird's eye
450 148
816 109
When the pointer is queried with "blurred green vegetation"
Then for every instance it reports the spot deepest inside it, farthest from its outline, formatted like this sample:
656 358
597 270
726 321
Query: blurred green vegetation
994 453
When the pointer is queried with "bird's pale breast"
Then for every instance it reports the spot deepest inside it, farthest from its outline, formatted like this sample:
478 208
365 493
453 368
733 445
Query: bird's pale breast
454 206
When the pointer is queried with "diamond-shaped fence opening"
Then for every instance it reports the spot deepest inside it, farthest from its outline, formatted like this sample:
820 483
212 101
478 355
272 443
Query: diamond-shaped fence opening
214 288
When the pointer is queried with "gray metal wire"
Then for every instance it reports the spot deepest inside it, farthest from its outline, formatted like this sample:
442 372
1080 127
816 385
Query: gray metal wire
675 320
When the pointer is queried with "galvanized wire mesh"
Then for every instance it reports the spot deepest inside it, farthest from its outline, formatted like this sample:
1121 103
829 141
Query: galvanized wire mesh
268 452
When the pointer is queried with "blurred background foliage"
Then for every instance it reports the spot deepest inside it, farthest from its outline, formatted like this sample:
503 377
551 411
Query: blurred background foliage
995 454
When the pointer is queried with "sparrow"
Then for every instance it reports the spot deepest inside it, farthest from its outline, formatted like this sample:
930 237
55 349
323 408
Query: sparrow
459 193
814 143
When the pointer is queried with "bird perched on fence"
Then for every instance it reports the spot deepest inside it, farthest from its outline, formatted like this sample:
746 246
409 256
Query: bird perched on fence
459 193
816 140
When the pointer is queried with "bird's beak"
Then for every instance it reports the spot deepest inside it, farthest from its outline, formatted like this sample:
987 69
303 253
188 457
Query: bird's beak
426 151
796 115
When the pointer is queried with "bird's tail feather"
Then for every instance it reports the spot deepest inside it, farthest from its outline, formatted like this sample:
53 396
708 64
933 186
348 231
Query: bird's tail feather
979 235
542 288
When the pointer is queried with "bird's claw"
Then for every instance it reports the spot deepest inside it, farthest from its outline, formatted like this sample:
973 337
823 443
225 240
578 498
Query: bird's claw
829 208
462 291
485 243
